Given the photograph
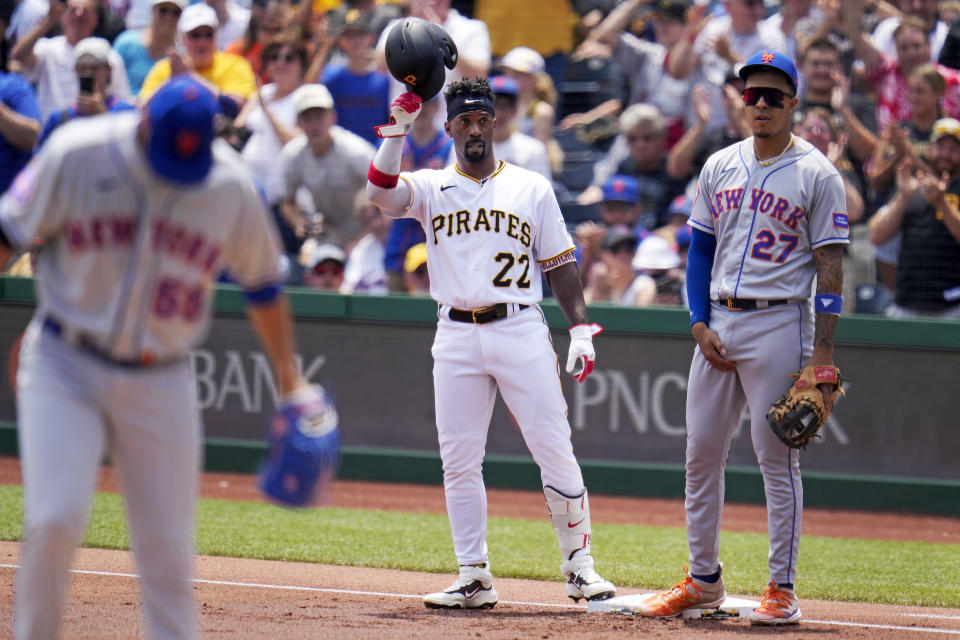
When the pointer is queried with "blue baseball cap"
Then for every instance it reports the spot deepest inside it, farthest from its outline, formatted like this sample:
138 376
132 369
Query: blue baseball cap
621 188
771 61
181 117
504 85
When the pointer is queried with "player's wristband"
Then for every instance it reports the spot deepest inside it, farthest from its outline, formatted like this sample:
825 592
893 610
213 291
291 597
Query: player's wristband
828 303
380 179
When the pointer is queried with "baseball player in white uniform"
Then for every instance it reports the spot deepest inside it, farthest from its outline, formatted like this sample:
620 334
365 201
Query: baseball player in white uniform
770 213
492 229
135 216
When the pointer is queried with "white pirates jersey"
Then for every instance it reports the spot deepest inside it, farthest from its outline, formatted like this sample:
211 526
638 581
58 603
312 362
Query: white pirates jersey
126 258
767 220
488 241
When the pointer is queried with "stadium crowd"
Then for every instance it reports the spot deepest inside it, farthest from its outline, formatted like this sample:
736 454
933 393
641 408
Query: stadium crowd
617 102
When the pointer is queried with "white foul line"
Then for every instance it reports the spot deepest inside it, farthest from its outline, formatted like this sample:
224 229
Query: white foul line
894 627
382 594
931 615
283 587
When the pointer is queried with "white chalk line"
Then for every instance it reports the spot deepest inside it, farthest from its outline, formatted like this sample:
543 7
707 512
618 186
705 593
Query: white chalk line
383 594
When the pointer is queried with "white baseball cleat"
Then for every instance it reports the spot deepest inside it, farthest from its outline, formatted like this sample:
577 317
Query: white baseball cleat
584 582
472 590
777 606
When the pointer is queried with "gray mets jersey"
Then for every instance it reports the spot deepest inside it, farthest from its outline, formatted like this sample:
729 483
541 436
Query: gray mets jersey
488 241
124 279
767 220
104 216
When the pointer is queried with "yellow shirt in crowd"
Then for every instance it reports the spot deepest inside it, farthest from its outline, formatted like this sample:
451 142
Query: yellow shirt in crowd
230 73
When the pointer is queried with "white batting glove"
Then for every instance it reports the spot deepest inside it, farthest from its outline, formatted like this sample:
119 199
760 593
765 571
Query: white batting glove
403 111
581 356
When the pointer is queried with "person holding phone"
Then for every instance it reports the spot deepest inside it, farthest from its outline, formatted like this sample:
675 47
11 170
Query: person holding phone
47 62
92 65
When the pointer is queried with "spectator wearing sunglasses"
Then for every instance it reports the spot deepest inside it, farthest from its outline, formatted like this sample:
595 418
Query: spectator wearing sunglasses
271 117
140 49
229 73
323 266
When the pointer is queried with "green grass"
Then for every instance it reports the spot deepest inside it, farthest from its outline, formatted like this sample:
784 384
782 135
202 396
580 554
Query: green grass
855 570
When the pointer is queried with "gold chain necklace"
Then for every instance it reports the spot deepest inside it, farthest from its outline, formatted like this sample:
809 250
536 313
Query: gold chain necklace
767 163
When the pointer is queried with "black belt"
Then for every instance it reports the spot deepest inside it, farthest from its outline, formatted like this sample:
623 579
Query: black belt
744 304
86 345
483 316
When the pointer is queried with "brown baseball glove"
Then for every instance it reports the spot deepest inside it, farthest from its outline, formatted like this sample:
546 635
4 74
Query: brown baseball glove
798 415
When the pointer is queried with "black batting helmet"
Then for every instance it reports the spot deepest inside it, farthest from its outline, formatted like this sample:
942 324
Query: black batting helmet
417 51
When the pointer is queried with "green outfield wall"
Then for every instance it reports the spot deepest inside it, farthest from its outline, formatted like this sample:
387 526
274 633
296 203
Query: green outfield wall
892 444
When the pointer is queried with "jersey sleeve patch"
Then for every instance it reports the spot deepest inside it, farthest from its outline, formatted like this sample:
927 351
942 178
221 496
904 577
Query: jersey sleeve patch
840 220
556 261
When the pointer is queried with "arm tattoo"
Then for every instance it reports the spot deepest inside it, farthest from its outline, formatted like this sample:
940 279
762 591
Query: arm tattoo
829 265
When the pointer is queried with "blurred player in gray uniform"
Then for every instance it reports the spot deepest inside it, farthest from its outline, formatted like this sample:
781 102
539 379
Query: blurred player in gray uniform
770 214
136 215
492 229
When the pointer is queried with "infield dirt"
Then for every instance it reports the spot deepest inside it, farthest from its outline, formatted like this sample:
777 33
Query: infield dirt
246 599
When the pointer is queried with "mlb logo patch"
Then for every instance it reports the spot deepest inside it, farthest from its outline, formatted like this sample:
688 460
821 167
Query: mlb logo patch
840 221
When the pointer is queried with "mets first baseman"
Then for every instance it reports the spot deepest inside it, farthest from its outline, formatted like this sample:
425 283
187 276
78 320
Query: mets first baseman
492 229
136 217
770 214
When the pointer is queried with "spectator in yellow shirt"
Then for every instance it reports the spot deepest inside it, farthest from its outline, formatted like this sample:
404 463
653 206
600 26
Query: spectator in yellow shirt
230 73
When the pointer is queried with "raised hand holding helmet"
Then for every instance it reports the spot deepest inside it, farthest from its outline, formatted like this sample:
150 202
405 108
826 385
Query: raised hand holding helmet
403 111
418 53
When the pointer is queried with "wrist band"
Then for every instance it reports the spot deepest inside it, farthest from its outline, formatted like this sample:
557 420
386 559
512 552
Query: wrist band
380 179
828 303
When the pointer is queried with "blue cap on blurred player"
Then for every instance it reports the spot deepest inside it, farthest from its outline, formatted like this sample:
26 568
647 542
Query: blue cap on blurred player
181 116
771 61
